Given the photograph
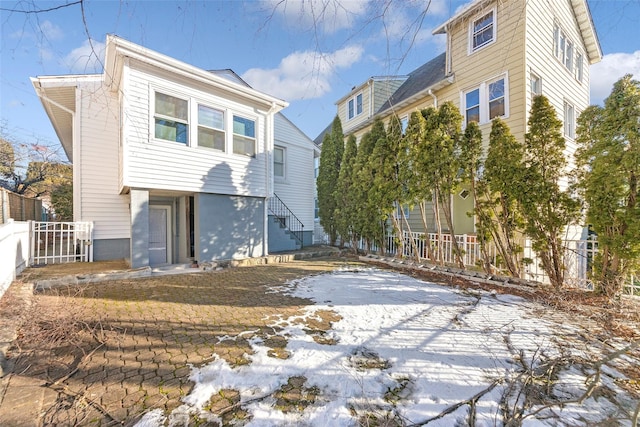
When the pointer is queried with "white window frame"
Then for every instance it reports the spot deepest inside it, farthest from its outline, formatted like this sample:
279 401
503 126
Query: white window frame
579 66
472 32
355 106
484 99
155 115
569 119
198 125
193 121
284 163
535 80
564 49
234 135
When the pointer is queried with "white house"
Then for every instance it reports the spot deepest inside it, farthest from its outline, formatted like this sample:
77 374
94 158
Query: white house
172 163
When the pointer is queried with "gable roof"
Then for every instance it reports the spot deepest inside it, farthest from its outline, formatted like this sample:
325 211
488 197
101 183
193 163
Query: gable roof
581 12
429 76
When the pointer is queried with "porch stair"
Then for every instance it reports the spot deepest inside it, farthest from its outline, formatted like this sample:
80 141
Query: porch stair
285 229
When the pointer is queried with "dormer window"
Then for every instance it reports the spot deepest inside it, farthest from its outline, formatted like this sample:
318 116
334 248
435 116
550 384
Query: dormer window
482 31
354 106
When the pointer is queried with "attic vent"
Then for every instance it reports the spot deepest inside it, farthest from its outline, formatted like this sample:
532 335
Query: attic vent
464 193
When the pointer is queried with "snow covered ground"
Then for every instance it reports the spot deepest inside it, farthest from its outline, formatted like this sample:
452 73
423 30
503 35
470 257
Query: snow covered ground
408 352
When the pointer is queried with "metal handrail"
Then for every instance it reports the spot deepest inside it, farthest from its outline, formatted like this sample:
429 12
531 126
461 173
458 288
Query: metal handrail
282 212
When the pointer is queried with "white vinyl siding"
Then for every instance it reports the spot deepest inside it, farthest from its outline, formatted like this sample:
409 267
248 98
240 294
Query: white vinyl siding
559 85
96 162
157 164
279 163
297 189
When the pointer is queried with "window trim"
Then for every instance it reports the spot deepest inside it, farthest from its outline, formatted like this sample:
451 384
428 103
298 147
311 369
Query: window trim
193 101
471 33
569 126
579 66
535 75
284 163
234 134
198 125
484 113
155 115
355 106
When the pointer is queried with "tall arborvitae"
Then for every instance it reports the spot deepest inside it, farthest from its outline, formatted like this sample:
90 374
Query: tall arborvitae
387 190
546 209
471 166
443 138
347 201
418 192
376 198
330 158
609 160
365 221
498 210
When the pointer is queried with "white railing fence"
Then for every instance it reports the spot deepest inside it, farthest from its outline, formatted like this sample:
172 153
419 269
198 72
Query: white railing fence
58 242
578 257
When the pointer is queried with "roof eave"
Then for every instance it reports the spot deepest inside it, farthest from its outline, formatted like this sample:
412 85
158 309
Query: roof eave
588 30
405 102
118 49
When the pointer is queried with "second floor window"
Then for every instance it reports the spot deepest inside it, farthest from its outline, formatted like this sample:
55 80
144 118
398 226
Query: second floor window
486 101
569 120
354 106
244 136
482 31
211 128
171 115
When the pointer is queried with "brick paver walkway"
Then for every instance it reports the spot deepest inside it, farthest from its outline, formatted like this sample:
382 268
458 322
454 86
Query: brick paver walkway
105 353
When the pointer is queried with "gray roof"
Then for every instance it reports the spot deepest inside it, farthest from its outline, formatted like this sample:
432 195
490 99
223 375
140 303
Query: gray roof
419 79
320 137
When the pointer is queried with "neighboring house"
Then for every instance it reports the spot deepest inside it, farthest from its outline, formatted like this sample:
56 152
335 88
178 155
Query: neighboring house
499 54
172 163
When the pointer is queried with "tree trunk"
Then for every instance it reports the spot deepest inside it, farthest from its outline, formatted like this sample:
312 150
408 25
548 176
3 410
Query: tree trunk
423 214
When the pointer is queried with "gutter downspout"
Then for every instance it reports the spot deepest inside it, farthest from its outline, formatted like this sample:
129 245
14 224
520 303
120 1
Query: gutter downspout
269 144
435 98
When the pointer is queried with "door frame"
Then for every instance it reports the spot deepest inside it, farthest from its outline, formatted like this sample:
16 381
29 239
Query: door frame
168 225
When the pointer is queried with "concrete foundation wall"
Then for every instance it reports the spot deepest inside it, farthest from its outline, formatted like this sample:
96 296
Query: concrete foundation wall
111 249
229 227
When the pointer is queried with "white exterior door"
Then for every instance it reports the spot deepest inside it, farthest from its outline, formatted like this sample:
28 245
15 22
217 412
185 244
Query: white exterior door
159 235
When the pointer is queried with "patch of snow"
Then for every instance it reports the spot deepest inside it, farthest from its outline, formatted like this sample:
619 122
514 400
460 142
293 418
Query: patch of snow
438 346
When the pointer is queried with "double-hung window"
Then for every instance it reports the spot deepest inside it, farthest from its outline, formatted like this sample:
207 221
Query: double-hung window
278 162
211 128
536 84
482 31
496 98
472 106
354 106
171 117
569 120
579 67
486 101
563 49
244 136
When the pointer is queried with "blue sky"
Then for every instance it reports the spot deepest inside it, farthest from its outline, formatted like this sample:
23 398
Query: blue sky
309 53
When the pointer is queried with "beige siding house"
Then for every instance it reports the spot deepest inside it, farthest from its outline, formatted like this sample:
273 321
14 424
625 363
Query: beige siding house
173 163
498 55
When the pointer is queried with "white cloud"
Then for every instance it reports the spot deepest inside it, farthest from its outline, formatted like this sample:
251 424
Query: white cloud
51 31
328 16
87 58
303 75
612 67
